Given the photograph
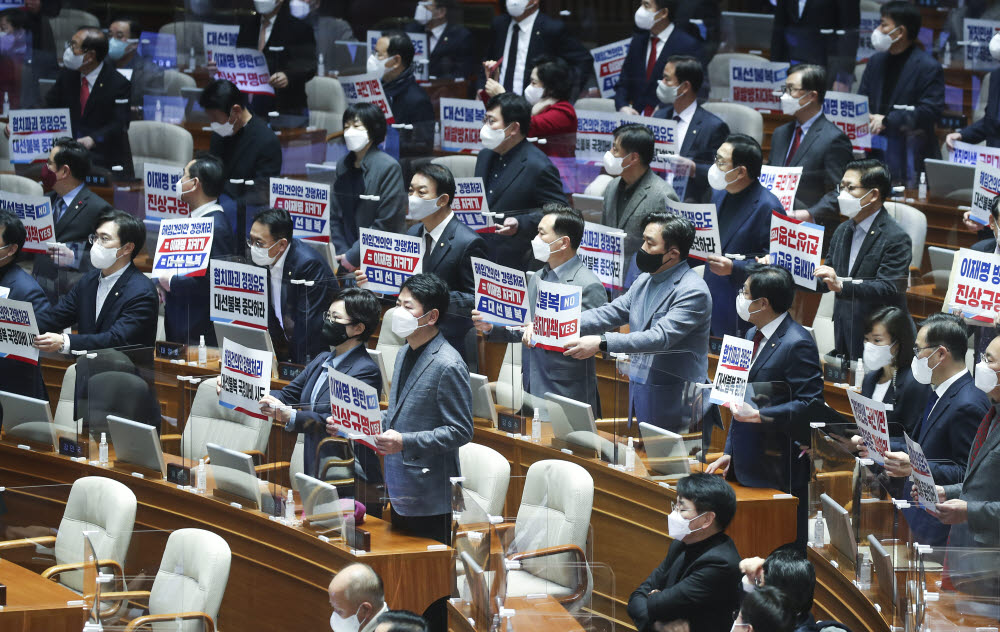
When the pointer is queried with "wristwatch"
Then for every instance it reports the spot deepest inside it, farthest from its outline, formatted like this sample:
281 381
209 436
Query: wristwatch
604 343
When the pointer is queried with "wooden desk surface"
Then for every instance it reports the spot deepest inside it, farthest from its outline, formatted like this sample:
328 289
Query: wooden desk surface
838 597
37 605
537 614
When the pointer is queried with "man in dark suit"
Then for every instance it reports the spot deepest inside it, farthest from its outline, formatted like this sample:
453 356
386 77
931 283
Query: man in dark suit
698 581
144 75
113 305
871 248
744 209
97 96
905 90
409 102
290 50
653 43
519 40
186 303
17 285
295 310
987 128
544 371
304 405
821 32
699 132
519 178
453 49
784 378
248 148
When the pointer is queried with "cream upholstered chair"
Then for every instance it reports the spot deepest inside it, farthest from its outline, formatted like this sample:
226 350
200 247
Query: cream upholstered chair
595 105
174 81
460 166
823 324
211 423
914 224
5 164
189 34
740 118
718 72
487 475
160 143
296 464
65 25
326 101
508 390
20 185
389 343
63 417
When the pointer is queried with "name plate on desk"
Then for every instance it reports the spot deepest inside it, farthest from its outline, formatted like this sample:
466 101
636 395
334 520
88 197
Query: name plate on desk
289 370
170 350
715 346
359 539
178 474
507 422
70 448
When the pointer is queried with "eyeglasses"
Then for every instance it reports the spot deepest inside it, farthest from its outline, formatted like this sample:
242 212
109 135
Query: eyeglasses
104 240
982 358
790 89
721 162
850 188
258 243
917 350
332 318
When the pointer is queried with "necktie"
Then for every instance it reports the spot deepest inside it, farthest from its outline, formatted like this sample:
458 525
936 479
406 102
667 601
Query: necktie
652 57
428 245
60 209
985 428
757 339
927 411
84 93
511 60
263 34
795 144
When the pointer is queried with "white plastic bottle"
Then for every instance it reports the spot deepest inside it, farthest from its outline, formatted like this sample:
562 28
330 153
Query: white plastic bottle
159 111
859 373
102 450
819 530
202 477
202 352
947 55
290 508
320 66
630 456
922 188
6 105
191 60
864 571
536 425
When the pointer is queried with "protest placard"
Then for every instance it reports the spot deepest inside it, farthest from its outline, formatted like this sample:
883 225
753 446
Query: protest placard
595 133
11 4
872 425
309 205
35 212
966 154
705 218
732 373
389 259
849 112
470 205
367 88
501 293
354 408
238 294
608 62
753 82
219 38
557 315
974 285
163 109
461 120
419 43
986 186
18 329
32 133
245 67
160 48
797 247
783 182
4 291
246 378
920 474
978 34
869 22
160 192
602 250
183 247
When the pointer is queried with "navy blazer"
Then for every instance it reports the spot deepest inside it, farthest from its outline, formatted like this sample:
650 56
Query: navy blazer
302 307
455 54
411 105
15 376
187 306
705 134
128 316
745 231
908 399
800 38
633 88
549 38
79 221
988 127
290 48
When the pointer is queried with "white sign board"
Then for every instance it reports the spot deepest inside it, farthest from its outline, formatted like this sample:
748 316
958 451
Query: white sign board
354 408
35 212
753 83
797 247
850 113
733 372
184 246
461 120
18 329
603 251
389 259
238 294
557 315
501 293
608 62
219 38
367 88
309 205
705 218
470 205
978 34
974 285
246 378
920 474
245 67
162 201
783 182
872 425
33 132
985 187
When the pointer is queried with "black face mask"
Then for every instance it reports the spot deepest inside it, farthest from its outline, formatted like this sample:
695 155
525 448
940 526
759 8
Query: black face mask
647 262
335 333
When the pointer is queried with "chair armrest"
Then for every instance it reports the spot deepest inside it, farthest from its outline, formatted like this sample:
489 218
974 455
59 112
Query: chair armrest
122 599
334 136
572 549
170 443
270 467
156 618
58 569
258 456
46 540
505 534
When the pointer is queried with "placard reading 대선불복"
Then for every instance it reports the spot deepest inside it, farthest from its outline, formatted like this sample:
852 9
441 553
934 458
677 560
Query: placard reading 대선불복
753 82
246 378
501 293
732 372
872 424
309 205
705 218
18 329
33 132
797 247
238 294
219 37
557 315
184 246
35 212
461 120
354 408
389 259
602 250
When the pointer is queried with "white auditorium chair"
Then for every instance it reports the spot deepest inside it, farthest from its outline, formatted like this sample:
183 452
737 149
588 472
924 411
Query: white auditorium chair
859 71
383 370
984 94
595 105
5 164
460 166
296 464
326 101
65 25
914 224
20 185
740 118
189 34
718 73
159 143
389 343
508 390
63 416
823 324
174 81
598 186
487 475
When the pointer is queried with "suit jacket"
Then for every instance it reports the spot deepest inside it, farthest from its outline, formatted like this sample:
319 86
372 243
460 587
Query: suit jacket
800 39
705 134
252 153
978 489
549 38
544 371
187 306
311 420
988 127
883 262
79 220
907 398
20 377
528 182
298 338
704 590
650 194
128 316
823 153
455 54
743 229
785 376
383 177
411 104
667 340
633 88
433 412
291 49
105 118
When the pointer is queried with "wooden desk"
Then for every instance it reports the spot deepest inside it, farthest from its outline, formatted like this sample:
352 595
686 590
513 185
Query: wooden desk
537 614
37 605
838 597
924 300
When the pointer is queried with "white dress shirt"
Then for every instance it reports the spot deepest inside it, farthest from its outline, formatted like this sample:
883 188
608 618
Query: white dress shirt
768 331
436 233
943 387
277 268
91 76
434 35
660 40
521 58
859 238
685 116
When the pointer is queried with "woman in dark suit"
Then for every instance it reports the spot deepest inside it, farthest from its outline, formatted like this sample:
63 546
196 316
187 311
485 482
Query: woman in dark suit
888 352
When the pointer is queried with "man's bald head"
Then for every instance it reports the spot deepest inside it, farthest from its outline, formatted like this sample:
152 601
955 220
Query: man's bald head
357 589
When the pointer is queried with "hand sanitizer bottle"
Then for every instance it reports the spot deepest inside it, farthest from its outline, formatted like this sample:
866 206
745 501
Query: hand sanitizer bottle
202 352
922 188
191 60
536 426
102 451
859 373
630 456
202 477
819 530
159 111
6 105
290 508
320 66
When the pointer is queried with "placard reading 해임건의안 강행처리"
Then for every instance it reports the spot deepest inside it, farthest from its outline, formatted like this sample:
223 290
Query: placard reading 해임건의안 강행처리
309 205
471 207
501 293
184 246
389 259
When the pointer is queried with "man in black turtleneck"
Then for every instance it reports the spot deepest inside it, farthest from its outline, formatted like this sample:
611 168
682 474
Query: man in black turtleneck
393 61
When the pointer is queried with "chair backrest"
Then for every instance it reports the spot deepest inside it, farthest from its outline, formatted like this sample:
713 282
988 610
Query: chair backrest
174 81
161 143
984 93
188 34
914 223
389 343
19 184
509 391
192 577
487 475
595 105
718 72
598 186
555 509
5 164
870 6
104 507
823 324
65 25
740 118
211 423
326 100
296 464
460 166
63 417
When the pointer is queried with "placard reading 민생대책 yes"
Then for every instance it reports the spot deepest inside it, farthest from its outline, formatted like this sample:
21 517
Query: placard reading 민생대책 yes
557 315
471 207
183 246
783 182
238 294
920 474
246 378
309 205
35 212
730 384
33 132
872 425
986 186
796 246
603 252
974 285
706 226
354 408
501 293
389 259
18 329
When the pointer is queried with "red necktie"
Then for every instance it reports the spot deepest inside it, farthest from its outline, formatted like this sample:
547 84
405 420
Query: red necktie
652 57
84 93
795 144
985 428
757 339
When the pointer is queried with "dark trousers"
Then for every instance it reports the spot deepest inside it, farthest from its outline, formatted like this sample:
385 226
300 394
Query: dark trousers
438 528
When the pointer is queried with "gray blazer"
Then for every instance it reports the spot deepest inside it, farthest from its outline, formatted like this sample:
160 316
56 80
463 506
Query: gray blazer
433 412
979 490
650 195
544 371
383 177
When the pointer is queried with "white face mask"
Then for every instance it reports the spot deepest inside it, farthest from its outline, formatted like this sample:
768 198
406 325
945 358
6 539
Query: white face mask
264 7
223 129
995 46
516 7
717 177
743 307
613 164
376 66
355 138
666 94
644 18
877 356
421 208
341 624
986 378
850 206
790 105
533 94
179 187
423 15
404 323
262 256
103 258
71 60
299 8
679 528
541 249
491 138
882 41
921 369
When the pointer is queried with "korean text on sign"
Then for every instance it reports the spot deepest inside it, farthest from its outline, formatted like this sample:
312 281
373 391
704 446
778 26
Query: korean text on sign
730 384
354 408
706 225
501 293
18 329
557 315
754 83
974 285
238 294
309 205
389 259
461 120
35 212
920 474
367 88
797 247
872 425
33 132
849 112
246 378
608 62
471 207
184 246
603 251
246 67
160 193
783 182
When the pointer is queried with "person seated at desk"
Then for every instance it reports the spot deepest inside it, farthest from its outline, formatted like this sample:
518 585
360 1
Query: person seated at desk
698 581
113 305
453 49
392 62
888 379
145 76
401 621
543 371
365 170
17 285
357 597
294 310
765 610
187 299
244 143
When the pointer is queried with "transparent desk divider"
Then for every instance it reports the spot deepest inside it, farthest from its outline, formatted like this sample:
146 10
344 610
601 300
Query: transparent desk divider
954 587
